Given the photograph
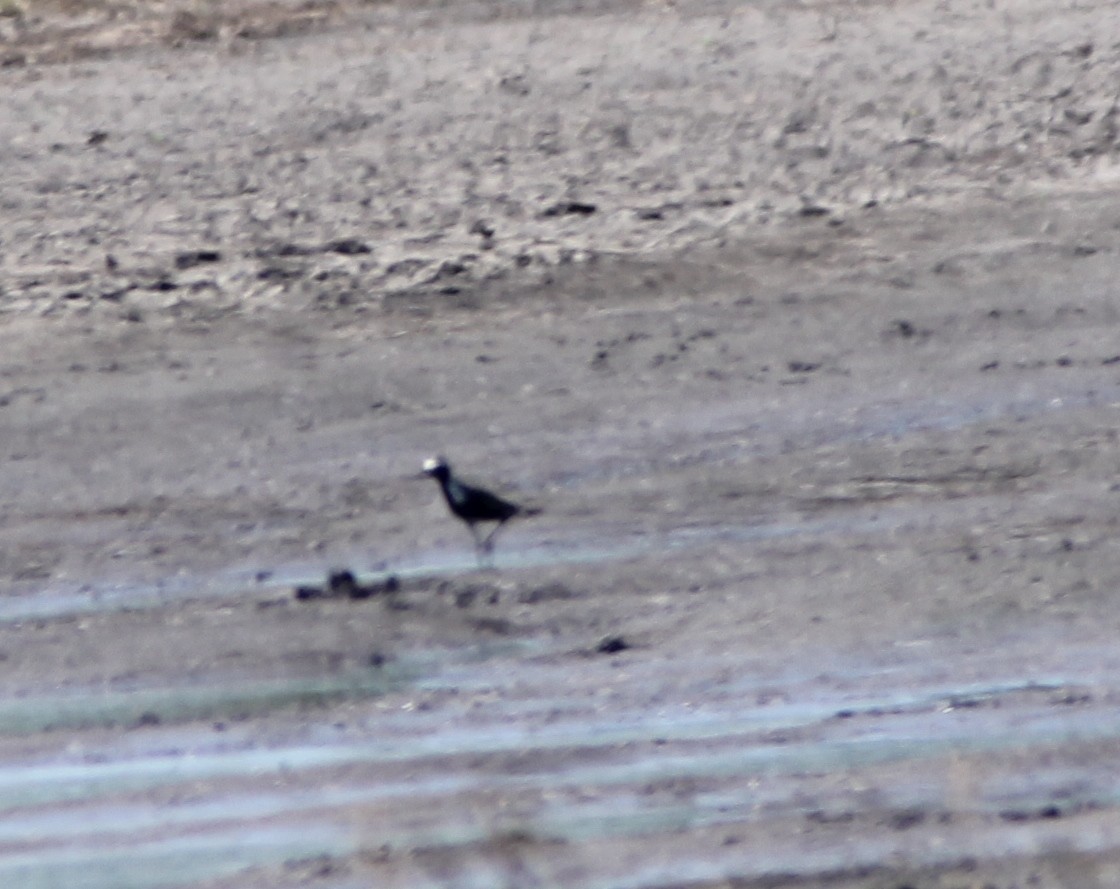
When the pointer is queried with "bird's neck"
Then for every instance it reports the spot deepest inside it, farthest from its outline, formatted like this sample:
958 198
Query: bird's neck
454 492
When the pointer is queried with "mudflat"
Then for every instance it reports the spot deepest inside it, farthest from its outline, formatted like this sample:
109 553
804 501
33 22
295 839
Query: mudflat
798 323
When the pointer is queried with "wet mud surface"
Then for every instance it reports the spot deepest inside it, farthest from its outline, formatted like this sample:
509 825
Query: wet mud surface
799 325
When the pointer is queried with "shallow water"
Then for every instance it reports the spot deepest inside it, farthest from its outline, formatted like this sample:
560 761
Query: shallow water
167 862
817 731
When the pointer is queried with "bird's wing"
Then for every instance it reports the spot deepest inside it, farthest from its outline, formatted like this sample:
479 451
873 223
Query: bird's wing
485 501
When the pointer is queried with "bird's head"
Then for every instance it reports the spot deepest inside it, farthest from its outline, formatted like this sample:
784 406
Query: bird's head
438 468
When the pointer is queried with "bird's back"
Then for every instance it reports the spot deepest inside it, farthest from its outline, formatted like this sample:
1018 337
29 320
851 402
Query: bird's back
477 505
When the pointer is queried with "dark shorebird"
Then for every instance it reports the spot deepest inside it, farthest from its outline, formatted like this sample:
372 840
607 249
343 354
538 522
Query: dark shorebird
473 505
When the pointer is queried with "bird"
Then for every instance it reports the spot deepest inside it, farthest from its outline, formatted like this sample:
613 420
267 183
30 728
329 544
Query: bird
474 505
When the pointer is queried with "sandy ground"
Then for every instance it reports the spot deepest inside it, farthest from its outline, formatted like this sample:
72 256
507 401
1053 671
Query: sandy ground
799 323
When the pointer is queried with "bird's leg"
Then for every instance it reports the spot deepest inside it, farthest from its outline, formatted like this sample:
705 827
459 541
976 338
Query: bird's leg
480 549
488 542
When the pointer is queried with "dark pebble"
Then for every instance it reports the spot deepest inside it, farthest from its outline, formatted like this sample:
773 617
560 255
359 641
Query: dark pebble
612 645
